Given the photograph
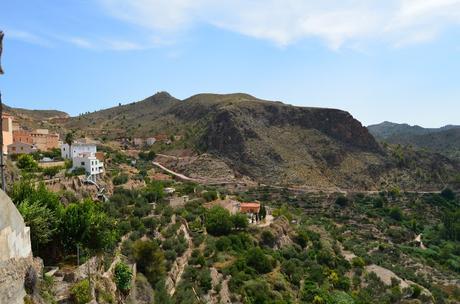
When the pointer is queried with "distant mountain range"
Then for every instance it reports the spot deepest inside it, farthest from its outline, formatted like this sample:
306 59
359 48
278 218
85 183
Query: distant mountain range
445 140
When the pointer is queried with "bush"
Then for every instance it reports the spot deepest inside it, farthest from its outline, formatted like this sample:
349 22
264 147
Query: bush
51 171
257 259
267 238
210 195
240 221
358 262
26 162
80 292
79 171
396 214
122 277
342 201
448 194
120 179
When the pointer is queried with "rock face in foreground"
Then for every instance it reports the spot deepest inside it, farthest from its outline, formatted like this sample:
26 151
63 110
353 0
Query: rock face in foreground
15 252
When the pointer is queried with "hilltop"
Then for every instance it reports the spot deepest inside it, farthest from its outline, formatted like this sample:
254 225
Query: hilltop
444 140
270 142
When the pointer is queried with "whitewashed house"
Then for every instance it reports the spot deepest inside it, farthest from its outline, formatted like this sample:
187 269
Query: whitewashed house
78 147
84 154
94 167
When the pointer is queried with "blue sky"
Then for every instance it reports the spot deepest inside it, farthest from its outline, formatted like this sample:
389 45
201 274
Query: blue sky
396 60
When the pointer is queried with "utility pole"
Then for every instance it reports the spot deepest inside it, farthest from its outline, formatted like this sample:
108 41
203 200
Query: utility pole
2 165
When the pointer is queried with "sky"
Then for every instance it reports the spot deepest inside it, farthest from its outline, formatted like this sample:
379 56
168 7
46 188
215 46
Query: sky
381 60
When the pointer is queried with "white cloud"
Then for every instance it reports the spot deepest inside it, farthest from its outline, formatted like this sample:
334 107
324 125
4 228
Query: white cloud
25 36
283 22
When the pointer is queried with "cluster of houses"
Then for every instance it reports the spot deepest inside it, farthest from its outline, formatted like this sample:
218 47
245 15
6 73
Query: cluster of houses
83 152
17 140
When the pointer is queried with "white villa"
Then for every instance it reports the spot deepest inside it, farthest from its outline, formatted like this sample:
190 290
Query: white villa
84 155
78 147
93 166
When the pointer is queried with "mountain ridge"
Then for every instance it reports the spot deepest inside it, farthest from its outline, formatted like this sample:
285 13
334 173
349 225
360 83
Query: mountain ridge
268 141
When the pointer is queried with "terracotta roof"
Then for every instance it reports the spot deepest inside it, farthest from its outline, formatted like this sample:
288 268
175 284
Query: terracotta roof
250 207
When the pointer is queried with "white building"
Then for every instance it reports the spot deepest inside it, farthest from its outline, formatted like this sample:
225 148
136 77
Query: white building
83 153
93 166
78 147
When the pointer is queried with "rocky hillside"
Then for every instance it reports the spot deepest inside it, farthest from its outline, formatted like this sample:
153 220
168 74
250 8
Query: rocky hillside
268 141
33 119
445 140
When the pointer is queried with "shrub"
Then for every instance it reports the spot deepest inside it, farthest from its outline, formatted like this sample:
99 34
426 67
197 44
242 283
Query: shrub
268 239
240 221
79 171
396 214
448 194
210 195
342 201
27 163
123 276
80 292
51 171
358 262
120 179
257 259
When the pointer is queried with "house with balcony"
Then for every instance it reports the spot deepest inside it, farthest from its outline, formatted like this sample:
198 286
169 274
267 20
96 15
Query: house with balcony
94 168
83 153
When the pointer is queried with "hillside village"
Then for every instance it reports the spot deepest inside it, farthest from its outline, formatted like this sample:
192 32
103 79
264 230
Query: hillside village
146 220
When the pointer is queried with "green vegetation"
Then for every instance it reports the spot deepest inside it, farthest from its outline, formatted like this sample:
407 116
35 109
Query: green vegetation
80 292
122 277
27 163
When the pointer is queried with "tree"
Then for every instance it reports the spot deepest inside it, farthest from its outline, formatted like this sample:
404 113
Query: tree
69 138
448 194
218 221
86 224
240 221
451 223
27 163
150 260
257 259
262 212
41 220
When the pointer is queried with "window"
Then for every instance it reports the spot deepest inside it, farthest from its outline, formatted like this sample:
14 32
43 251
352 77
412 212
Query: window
82 163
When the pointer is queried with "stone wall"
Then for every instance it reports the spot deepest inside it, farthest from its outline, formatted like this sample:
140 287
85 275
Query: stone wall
15 252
